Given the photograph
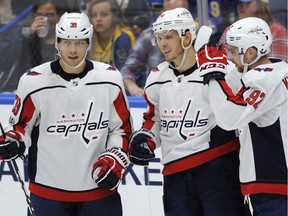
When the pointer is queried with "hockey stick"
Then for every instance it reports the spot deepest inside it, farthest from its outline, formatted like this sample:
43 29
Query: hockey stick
20 179
203 37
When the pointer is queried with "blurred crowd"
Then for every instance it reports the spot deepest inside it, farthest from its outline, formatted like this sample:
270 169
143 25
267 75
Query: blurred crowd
122 32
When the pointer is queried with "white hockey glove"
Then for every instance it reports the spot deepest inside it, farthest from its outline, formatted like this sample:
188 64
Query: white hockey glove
211 62
11 146
108 170
141 147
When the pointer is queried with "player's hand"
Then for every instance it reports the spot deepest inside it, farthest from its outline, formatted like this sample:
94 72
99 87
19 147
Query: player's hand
141 147
211 62
136 91
132 88
38 23
108 170
11 146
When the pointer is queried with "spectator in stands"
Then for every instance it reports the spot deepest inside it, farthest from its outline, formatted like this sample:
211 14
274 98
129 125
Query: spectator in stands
112 40
24 47
134 8
144 57
260 9
139 24
42 47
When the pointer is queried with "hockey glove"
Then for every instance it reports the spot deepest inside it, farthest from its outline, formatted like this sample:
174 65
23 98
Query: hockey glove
142 146
108 170
211 62
11 146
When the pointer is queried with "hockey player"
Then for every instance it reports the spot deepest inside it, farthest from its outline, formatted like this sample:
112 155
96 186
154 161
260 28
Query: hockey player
258 110
200 159
73 115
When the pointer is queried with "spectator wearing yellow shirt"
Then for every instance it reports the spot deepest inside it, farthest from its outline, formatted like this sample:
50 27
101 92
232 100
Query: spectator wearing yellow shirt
112 40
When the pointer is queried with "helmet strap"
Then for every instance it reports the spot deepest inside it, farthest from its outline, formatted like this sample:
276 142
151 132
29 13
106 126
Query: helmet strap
78 65
245 69
184 54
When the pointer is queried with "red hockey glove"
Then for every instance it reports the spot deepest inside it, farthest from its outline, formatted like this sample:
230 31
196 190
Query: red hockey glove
108 170
142 146
211 62
11 146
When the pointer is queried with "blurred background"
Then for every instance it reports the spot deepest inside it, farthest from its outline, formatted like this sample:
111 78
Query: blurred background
20 51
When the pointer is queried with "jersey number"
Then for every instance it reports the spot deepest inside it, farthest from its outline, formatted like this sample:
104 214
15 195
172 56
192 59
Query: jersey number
17 105
255 98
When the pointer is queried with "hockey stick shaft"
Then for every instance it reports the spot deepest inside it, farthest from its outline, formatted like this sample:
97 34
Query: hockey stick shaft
203 37
20 179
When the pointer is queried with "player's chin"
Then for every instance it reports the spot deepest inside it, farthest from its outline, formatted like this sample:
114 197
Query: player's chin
168 57
240 69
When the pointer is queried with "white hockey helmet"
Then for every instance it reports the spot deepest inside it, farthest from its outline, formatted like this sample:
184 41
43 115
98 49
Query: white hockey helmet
179 19
74 26
250 32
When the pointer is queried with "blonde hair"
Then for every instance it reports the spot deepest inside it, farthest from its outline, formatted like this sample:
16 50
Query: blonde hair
264 12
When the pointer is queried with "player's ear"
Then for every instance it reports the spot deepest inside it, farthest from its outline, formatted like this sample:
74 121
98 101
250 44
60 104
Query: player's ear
251 54
252 51
187 38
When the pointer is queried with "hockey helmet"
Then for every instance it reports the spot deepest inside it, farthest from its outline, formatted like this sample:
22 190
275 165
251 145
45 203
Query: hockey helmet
179 19
250 32
74 26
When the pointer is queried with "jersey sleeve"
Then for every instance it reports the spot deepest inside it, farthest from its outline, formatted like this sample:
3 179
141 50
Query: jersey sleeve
151 117
23 116
120 122
258 95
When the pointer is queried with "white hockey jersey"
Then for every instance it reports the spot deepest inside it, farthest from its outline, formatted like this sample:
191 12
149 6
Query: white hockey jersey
67 121
260 112
182 120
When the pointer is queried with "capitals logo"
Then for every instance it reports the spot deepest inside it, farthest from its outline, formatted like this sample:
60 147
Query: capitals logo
186 126
69 125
